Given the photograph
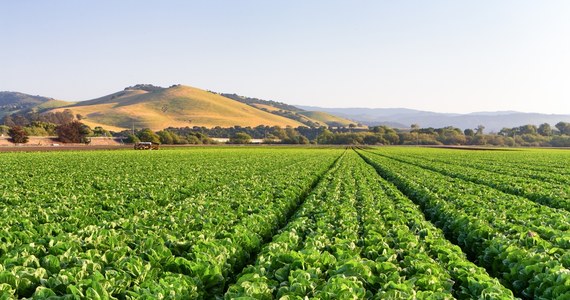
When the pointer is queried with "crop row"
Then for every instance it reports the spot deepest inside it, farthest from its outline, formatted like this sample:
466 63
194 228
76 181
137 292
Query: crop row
357 237
551 194
541 164
164 226
521 242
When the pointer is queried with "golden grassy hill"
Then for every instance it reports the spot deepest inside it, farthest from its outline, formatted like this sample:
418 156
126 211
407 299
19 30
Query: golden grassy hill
266 107
294 115
20 103
318 118
177 106
323 117
52 104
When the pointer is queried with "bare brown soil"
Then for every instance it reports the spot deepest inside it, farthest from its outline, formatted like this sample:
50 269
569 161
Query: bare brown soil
36 143
63 147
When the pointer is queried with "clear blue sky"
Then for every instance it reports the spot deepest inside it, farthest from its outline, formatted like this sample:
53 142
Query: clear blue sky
447 56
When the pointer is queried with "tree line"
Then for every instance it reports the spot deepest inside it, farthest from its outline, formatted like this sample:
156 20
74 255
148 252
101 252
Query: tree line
69 129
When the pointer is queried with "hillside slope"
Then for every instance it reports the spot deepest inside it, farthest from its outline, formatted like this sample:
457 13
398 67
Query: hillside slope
15 102
309 118
329 119
178 106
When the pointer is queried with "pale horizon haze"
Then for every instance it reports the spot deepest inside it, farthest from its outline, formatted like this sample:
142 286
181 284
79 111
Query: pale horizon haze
443 56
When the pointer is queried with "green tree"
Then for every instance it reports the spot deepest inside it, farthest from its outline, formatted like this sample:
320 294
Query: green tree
563 127
35 131
166 137
147 135
479 139
389 135
18 135
100 131
270 139
132 139
373 139
325 137
495 140
451 136
469 132
279 132
193 140
392 137
240 138
545 129
293 137
416 128
45 127
560 141
507 132
302 140
73 132
527 129
479 130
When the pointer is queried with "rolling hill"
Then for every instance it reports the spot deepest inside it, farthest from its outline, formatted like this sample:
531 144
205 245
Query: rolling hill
329 119
177 106
309 118
15 102
180 106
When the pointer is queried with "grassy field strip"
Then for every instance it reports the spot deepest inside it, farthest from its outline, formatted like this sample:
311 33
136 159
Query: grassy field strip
350 240
546 193
484 224
140 243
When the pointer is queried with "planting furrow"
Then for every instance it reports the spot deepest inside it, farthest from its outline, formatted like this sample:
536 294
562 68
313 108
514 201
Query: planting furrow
525 262
516 215
397 232
546 193
501 164
340 245
291 267
123 244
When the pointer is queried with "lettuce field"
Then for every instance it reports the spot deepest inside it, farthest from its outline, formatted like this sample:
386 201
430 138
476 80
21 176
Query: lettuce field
285 223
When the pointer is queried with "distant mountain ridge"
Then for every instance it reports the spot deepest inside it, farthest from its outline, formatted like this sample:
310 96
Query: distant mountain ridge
404 117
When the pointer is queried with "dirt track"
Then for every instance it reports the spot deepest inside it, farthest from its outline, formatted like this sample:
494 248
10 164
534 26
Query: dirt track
62 148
